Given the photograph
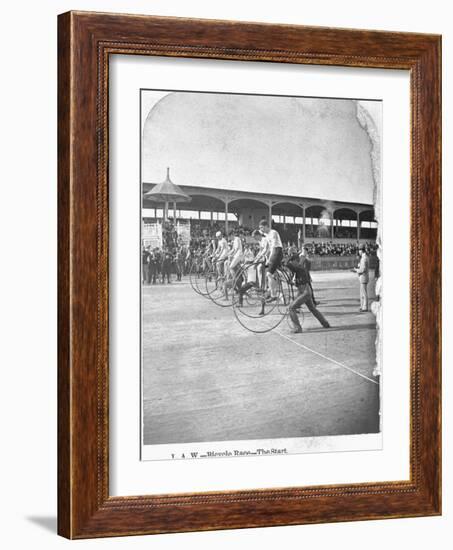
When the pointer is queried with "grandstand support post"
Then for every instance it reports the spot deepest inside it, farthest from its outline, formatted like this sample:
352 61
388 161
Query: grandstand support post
270 213
212 218
303 224
332 220
358 226
174 212
226 216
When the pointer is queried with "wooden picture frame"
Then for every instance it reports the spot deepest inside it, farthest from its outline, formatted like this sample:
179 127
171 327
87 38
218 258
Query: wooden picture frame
85 42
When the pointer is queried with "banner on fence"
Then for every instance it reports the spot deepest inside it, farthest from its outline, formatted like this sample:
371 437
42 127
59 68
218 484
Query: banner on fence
152 235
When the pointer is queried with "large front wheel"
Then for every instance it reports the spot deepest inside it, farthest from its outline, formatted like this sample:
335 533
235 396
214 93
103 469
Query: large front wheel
254 308
197 279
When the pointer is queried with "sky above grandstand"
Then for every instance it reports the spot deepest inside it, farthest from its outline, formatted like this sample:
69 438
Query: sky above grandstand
302 147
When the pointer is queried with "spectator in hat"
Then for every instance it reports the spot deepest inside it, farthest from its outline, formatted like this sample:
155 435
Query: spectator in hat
167 262
145 264
152 268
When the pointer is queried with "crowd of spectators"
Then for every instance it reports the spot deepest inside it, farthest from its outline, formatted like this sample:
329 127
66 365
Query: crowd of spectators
292 233
337 249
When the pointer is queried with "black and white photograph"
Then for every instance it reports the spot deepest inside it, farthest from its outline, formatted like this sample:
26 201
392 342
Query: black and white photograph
261 261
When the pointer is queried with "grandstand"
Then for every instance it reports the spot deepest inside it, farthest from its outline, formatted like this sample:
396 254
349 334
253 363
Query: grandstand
299 220
311 166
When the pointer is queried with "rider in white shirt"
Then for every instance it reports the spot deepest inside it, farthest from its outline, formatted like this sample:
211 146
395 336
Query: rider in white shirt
236 254
274 256
221 254
233 265
255 272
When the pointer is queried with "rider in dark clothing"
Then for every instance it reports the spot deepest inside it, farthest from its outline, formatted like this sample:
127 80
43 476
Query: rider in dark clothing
307 265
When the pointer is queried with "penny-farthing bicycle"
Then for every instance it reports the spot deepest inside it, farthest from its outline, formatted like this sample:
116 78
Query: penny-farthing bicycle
255 307
197 275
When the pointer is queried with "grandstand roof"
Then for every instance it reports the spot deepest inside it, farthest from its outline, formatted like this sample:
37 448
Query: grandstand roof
212 199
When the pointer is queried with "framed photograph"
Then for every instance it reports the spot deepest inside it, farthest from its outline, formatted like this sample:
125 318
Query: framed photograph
249 275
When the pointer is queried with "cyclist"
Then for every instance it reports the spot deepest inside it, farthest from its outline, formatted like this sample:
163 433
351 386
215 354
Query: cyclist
274 256
221 253
255 273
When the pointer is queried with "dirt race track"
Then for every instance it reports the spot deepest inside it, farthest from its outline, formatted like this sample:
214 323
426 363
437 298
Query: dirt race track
206 378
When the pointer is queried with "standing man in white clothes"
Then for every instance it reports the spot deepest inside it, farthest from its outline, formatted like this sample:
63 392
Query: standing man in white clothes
362 271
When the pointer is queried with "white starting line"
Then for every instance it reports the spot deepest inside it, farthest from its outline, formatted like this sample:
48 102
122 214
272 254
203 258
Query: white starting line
334 361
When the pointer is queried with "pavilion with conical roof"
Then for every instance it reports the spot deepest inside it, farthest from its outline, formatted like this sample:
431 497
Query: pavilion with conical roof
167 192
